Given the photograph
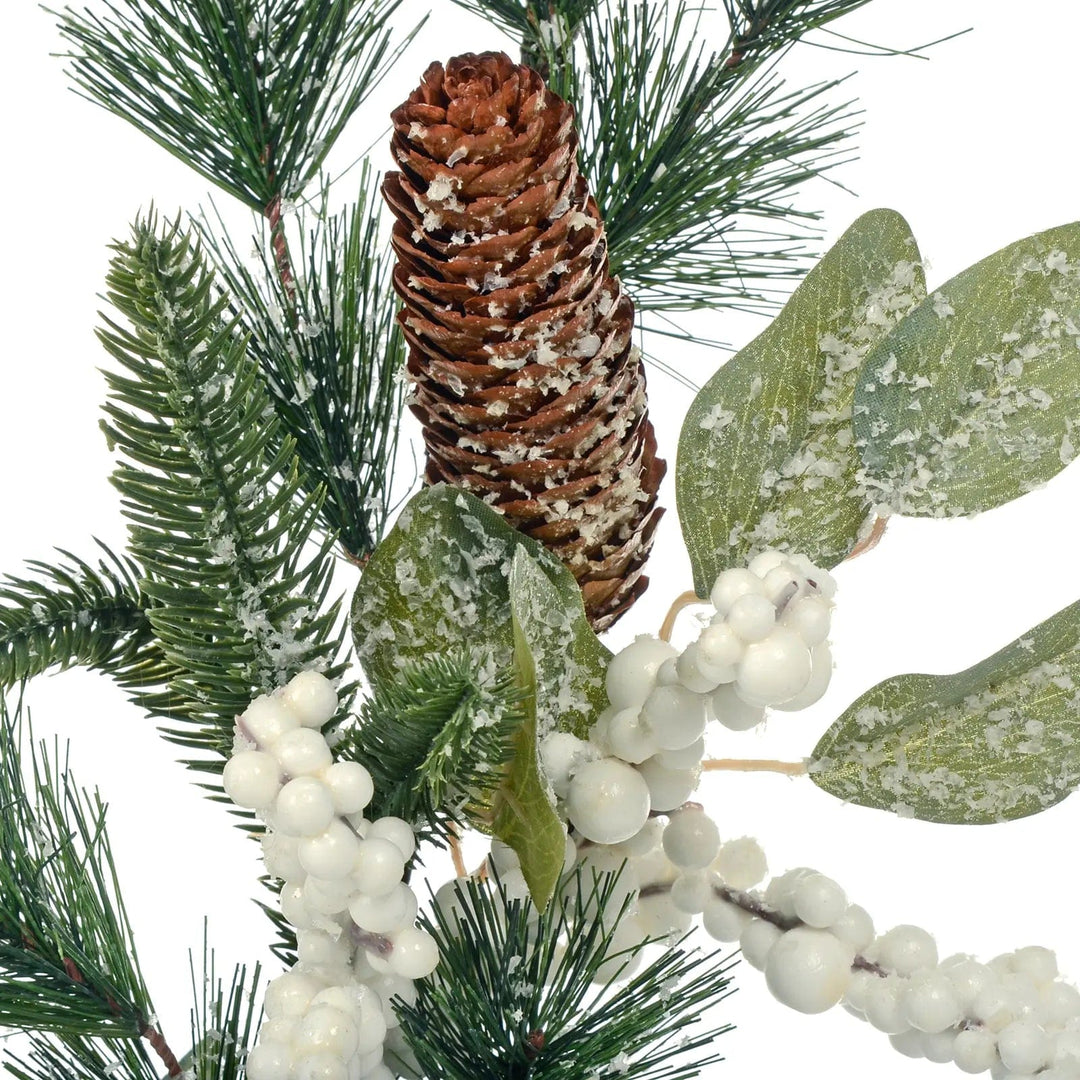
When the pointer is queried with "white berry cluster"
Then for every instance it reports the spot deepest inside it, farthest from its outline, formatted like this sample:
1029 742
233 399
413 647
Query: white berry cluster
357 945
765 647
1014 1016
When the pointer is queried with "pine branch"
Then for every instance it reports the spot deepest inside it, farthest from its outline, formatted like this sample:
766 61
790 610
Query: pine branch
76 613
67 955
332 354
224 1020
520 994
82 1058
251 95
435 740
217 520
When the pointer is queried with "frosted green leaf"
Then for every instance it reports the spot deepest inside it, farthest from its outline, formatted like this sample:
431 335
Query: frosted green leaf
525 816
998 741
974 398
766 454
441 578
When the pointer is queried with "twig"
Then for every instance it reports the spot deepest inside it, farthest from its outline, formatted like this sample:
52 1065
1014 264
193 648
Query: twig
281 248
871 540
683 600
161 1048
455 851
789 768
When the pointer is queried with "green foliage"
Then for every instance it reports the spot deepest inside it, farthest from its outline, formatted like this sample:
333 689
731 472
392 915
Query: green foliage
974 398
224 1021
252 96
67 955
440 580
79 1057
435 738
525 994
210 488
766 454
76 613
525 817
332 354
998 741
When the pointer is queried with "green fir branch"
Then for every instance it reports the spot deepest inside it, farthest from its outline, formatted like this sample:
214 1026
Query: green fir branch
693 157
77 614
435 740
67 954
211 491
251 94
81 1057
332 354
224 1020
522 994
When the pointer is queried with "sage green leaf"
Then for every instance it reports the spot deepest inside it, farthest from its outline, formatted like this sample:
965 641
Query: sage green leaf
440 578
974 398
766 453
525 816
998 741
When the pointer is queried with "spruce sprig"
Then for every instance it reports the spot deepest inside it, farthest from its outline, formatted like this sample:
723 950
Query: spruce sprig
332 354
211 491
522 994
435 739
75 613
251 95
67 954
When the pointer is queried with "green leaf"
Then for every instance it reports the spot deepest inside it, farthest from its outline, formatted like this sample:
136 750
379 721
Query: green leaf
998 741
765 454
525 817
974 398
440 579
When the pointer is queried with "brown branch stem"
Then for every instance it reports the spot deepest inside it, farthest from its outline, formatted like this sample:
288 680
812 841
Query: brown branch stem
161 1048
683 600
788 768
280 247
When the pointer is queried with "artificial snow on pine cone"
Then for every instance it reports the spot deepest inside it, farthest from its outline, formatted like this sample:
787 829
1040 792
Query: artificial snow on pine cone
529 390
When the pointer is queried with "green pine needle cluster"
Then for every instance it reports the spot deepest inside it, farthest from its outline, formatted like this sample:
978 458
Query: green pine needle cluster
519 994
67 956
435 740
238 600
332 355
250 95
79 613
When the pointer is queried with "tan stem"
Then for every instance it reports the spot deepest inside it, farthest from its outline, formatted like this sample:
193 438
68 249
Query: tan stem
871 540
789 768
455 852
683 600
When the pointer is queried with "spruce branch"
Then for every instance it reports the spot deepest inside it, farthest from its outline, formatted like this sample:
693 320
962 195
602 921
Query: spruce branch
331 351
435 739
68 966
251 94
77 613
523 994
211 490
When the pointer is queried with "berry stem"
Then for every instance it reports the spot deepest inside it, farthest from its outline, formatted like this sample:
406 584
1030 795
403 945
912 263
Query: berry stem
455 851
683 600
871 540
789 768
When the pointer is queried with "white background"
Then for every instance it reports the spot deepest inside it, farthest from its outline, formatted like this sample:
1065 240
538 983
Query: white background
977 147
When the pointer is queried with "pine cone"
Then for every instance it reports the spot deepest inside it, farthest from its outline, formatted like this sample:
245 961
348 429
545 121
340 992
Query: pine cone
529 390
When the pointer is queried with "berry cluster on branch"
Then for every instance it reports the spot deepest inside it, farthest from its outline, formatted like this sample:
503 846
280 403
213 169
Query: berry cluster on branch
330 1017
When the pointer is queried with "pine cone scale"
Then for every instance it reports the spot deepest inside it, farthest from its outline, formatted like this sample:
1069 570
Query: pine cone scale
525 380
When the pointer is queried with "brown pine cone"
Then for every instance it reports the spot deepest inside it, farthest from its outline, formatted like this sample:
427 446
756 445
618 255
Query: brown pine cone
529 390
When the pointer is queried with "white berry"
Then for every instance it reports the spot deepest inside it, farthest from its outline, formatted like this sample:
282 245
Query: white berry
774 669
379 866
266 719
268 1061
384 914
767 560
415 954
398 831
302 752
252 779
675 715
752 617
974 1050
1023 1047
304 807
668 788
724 921
630 737
730 585
734 713
691 839
311 697
808 969
330 854
350 786
719 649
906 949
818 900
929 1002
756 942
809 616
631 674
608 801
821 666
741 863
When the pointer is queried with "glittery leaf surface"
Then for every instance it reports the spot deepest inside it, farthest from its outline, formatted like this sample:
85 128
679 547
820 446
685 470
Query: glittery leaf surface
973 399
766 454
998 741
